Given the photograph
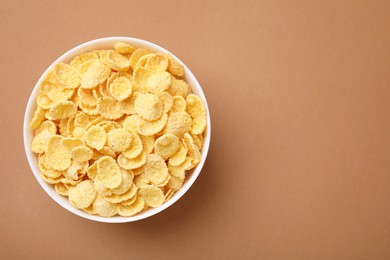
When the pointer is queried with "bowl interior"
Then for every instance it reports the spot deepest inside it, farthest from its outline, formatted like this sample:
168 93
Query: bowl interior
106 43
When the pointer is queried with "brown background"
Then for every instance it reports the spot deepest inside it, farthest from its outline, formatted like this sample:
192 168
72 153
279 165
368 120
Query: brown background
299 165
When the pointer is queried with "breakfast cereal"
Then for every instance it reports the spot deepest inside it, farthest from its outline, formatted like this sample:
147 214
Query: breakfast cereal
117 130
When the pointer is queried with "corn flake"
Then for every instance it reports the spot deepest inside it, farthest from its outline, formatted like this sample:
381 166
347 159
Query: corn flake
83 194
81 153
108 172
136 55
51 77
92 171
135 147
174 67
63 127
129 202
79 132
146 127
178 87
51 180
107 151
178 104
96 74
138 171
198 124
127 105
177 171
158 82
179 157
79 62
57 156
166 145
168 195
103 208
57 95
198 140
130 123
153 196
119 140
61 189
40 141
195 106
130 164
81 120
127 182
193 151
69 182
39 117
96 137
118 198
161 185
76 171
141 76
142 61
157 62
141 180
44 101
167 101
124 48
67 76
108 126
70 125
52 173
83 67
175 183
63 110
121 88
148 106
95 121
147 143
115 60
155 168
134 208
178 123
109 108
70 142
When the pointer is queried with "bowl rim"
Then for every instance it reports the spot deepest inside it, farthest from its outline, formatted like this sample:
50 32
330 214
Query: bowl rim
32 158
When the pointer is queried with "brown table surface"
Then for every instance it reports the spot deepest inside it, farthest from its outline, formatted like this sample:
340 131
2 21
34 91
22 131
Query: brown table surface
299 94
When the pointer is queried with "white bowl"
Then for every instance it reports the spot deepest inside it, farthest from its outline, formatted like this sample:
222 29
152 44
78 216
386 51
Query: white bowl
28 134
